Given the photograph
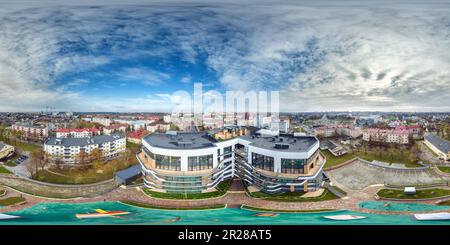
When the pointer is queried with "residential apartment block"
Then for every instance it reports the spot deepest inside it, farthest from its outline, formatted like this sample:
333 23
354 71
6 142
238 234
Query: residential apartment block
31 131
117 128
338 130
68 149
76 132
396 136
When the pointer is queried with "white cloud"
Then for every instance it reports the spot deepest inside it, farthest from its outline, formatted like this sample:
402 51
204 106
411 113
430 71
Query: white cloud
346 56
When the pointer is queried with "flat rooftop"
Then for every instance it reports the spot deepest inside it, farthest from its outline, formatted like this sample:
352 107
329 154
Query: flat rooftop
96 140
198 140
181 140
283 143
441 144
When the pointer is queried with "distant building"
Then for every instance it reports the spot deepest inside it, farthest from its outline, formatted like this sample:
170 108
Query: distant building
414 130
136 136
76 132
117 128
338 130
396 136
158 126
68 149
439 146
6 150
102 120
31 131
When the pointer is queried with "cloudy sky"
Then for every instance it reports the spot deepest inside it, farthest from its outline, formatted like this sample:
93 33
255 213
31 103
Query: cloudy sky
320 55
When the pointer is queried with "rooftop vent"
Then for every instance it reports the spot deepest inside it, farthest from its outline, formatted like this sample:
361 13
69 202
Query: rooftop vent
185 144
281 146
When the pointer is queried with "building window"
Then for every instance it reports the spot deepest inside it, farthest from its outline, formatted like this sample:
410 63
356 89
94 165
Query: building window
227 151
292 166
262 161
200 162
167 162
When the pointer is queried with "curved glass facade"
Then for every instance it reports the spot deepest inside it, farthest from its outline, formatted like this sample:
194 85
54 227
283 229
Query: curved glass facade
262 161
196 163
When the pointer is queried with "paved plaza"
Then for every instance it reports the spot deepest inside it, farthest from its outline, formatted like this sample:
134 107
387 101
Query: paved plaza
359 175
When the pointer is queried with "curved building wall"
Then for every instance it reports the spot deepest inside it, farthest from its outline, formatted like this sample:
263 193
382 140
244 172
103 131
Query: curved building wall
287 170
199 170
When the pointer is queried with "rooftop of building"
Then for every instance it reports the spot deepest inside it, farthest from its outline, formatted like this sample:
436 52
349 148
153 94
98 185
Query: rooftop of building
95 140
438 142
137 133
181 140
283 142
198 140
115 126
79 130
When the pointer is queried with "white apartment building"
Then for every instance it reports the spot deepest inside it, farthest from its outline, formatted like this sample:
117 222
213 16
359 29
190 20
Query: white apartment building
76 132
115 129
335 130
395 136
102 120
68 149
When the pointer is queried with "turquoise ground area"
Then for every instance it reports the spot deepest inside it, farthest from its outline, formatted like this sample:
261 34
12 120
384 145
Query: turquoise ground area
64 214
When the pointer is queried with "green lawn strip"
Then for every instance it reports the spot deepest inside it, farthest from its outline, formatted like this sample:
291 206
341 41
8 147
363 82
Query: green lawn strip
294 197
2 192
26 146
182 196
224 186
3 170
145 205
287 211
10 164
420 194
43 194
11 201
49 177
333 160
383 156
444 169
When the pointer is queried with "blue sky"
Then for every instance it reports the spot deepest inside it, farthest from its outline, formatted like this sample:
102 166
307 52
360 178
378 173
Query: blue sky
320 55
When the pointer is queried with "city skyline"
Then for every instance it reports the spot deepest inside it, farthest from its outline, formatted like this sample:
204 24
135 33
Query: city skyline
101 57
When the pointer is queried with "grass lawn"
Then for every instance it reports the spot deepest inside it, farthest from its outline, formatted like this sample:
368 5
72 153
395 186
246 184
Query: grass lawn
400 156
26 146
224 186
286 211
421 194
10 164
82 177
295 197
145 205
2 192
444 169
333 161
3 170
182 195
11 201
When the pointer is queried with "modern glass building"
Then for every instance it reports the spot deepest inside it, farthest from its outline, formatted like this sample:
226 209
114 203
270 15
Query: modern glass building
182 162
